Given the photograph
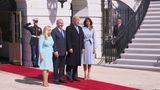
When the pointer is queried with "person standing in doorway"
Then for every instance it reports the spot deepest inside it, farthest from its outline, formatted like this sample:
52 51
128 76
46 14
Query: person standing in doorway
35 31
46 50
116 31
59 37
75 47
88 57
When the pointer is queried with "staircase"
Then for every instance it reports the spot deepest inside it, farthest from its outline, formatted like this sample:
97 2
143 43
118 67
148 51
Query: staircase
145 47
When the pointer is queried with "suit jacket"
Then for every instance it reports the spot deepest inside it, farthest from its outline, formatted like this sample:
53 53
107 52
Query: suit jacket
117 30
75 41
59 41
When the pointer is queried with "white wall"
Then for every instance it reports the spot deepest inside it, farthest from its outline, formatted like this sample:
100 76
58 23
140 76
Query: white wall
47 11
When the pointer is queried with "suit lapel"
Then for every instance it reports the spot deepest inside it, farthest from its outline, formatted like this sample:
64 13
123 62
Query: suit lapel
59 33
75 30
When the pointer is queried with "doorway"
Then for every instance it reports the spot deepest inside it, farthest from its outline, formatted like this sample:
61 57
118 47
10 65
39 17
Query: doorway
11 48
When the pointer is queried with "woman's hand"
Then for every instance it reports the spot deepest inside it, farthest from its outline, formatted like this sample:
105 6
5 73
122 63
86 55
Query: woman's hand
94 50
41 57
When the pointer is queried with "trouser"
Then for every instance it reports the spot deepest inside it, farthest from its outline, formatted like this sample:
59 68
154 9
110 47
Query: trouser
118 48
34 55
58 65
72 72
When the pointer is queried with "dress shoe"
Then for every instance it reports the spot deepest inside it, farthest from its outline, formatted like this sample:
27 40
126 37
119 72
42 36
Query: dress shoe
85 77
62 81
45 85
69 79
88 77
76 80
57 82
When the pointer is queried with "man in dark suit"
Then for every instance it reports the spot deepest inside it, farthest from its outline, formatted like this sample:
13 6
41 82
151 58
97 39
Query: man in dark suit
75 47
59 37
116 31
35 31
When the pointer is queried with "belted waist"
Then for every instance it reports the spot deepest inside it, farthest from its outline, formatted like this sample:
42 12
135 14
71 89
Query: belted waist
35 36
88 40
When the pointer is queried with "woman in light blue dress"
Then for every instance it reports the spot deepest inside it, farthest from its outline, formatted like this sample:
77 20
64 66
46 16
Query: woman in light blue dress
88 57
46 49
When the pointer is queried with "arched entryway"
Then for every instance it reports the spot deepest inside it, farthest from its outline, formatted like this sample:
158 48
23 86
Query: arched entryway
10 24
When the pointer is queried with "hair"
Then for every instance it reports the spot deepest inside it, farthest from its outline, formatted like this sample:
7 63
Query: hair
58 20
119 18
75 17
84 23
44 31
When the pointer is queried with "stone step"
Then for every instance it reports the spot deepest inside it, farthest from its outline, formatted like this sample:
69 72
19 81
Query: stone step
153 9
146 40
140 56
154 2
137 62
150 27
157 21
151 12
147 35
136 67
154 6
142 51
145 45
151 22
148 31
152 17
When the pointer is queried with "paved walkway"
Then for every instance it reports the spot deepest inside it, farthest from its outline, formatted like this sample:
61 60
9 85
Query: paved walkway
146 80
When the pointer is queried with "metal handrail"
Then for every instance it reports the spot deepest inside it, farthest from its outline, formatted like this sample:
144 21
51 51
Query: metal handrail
127 33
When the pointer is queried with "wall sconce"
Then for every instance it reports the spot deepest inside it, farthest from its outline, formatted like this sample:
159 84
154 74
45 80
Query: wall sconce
62 1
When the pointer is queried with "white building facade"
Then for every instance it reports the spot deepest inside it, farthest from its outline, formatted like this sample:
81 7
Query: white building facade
47 11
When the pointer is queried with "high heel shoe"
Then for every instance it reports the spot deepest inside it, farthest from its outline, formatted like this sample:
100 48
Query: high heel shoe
45 85
88 77
85 77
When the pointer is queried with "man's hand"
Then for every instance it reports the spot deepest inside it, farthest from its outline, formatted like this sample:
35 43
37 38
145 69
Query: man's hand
56 54
71 50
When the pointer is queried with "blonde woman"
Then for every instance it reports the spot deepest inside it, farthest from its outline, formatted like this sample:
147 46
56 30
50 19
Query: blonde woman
46 49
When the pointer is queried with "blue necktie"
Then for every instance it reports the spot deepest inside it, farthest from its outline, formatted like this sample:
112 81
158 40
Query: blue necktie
62 33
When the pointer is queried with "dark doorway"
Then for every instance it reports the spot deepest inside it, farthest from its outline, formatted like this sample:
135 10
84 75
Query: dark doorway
10 40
